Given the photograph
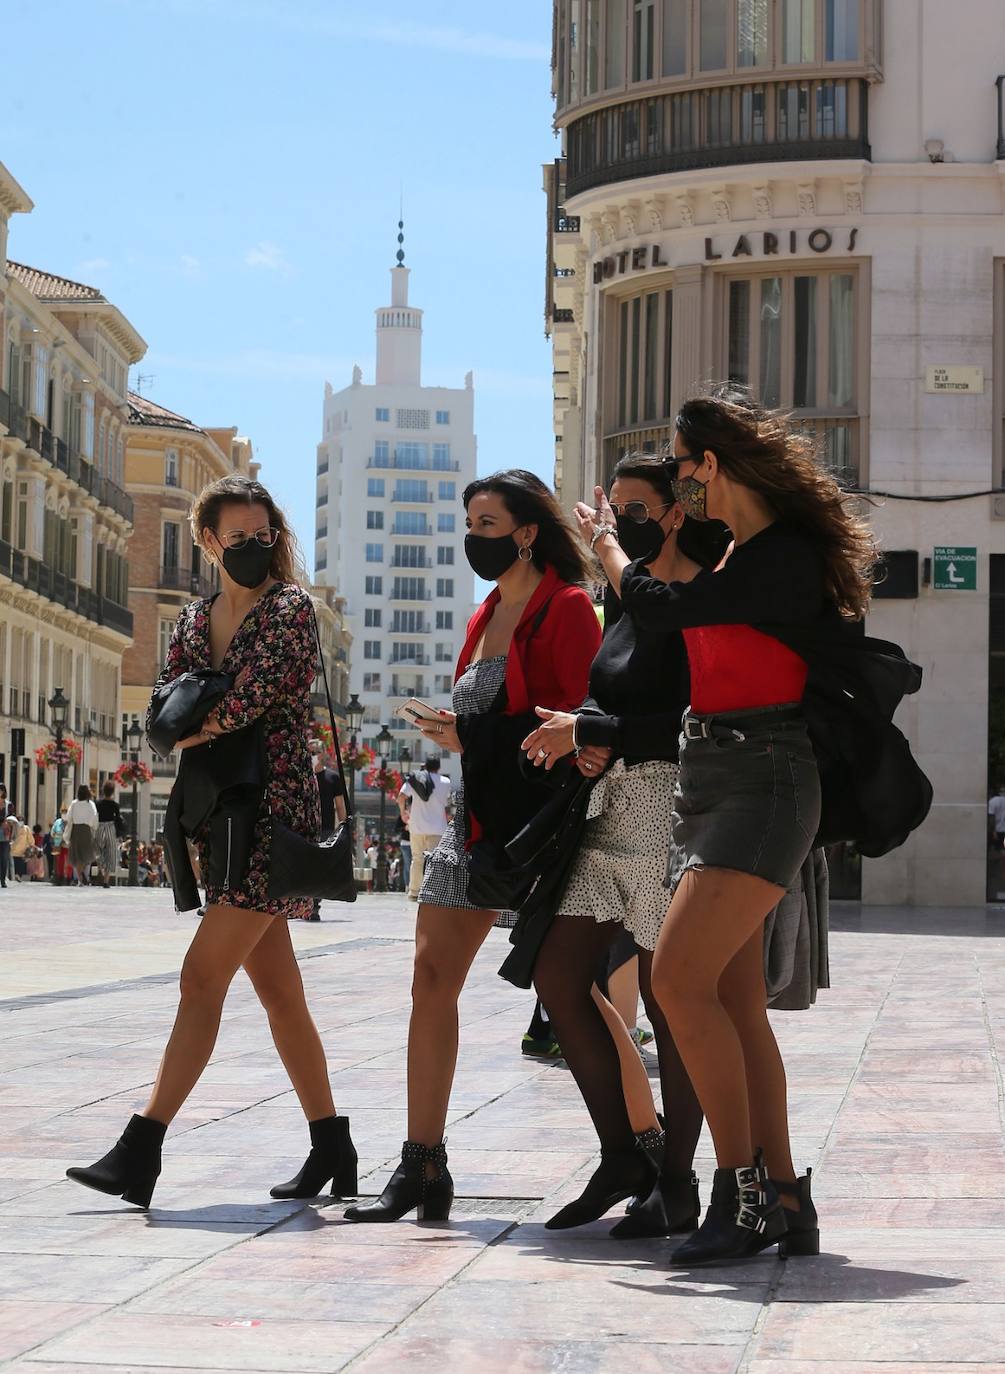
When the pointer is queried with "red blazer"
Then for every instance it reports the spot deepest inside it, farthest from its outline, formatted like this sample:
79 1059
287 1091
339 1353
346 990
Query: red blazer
549 666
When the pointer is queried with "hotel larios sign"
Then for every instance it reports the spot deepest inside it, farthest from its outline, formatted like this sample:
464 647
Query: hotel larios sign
763 243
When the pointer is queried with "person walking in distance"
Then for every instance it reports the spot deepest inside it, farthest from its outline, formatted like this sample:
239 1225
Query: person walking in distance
5 810
82 823
422 803
111 829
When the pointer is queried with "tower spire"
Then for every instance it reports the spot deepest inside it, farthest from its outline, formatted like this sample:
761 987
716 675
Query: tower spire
400 255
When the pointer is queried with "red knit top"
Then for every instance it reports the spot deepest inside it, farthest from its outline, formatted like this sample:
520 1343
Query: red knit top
736 668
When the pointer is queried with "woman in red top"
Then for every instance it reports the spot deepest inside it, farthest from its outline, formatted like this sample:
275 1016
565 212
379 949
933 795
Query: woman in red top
532 640
747 802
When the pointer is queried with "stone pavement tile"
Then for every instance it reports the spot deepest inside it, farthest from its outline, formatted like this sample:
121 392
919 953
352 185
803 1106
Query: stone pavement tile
135 1234
938 1213
439 1355
868 1367
172 1202
607 1311
80 1278
861 1182
140 1339
884 1331
323 1226
282 1297
894 1278
23 1326
341 1261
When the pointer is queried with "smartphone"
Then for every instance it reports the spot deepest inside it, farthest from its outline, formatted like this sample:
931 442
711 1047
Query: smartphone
413 710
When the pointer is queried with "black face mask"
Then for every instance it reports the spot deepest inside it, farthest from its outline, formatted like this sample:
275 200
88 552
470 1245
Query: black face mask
249 565
489 557
641 541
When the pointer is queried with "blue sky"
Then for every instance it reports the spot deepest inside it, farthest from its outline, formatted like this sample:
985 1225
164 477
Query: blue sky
228 173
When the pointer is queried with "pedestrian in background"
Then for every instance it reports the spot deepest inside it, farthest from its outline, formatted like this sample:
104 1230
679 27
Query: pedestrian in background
426 793
111 828
60 846
82 823
4 837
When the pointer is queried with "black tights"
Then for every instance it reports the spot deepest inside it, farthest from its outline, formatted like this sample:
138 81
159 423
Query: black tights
572 957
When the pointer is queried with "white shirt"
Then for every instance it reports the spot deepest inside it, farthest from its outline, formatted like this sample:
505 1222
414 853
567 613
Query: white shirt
428 817
82 813
996 808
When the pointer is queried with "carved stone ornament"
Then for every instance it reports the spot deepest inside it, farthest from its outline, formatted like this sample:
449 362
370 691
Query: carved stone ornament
763 207
654 213
685 208
806 197
610 224
596 232
721 208
630 219
853 197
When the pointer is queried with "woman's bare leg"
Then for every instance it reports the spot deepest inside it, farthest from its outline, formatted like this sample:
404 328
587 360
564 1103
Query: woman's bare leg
275 976
743 994
623 992
224 940
446 942
634 1079
712 915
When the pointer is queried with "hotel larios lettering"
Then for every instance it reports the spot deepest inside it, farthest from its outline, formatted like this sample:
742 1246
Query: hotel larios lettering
761 244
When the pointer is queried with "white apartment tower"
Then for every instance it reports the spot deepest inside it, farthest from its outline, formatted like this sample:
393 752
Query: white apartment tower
393 462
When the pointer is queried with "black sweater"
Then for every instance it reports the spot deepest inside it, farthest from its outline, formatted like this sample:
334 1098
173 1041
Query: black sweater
639 689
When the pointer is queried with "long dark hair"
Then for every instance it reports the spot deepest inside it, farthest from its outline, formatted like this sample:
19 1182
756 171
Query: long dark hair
287 563
530 502
703 541
763 450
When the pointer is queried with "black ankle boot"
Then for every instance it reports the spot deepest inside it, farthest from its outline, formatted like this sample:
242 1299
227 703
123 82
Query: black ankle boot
332 1157
131 1167
803 1236
743 1218
410 1186
673 1206
620 1174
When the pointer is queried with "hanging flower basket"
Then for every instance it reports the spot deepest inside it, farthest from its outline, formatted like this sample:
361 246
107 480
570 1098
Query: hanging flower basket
358 756
128 773
387 780
49 756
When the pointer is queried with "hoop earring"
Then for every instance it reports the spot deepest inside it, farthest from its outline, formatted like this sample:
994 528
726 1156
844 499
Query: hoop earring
526 554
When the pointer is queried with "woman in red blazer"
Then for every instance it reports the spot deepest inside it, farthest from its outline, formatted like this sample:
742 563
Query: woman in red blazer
532 640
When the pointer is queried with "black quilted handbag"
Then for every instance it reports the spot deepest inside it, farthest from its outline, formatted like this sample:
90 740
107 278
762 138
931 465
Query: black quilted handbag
299 867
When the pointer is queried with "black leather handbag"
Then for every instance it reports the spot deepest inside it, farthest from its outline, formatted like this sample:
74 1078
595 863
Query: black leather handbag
299 867
179 707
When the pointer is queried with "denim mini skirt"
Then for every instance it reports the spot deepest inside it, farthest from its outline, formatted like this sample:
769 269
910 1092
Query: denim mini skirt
746 799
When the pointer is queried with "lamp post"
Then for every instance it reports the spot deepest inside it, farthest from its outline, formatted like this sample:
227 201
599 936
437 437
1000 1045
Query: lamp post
60 709
384 740
135 733
354 715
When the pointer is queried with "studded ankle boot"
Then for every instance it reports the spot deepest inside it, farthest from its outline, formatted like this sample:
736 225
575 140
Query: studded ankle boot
744 1217
412 1185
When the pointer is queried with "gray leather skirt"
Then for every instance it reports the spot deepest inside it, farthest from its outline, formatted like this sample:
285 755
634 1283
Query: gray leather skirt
747 796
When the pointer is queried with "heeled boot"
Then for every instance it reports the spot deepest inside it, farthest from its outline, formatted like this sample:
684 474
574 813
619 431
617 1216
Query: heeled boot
412 1186
620 1174
332 1158
131 1167
803 1235
743 1218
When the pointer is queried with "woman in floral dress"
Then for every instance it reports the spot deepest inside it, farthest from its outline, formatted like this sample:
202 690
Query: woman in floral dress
260 628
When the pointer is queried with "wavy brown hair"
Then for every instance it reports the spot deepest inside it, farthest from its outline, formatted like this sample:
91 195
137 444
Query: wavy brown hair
530 502
235 489
762 449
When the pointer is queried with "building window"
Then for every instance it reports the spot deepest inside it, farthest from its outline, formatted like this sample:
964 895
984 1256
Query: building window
411 454
371 682
375 486
371 617
375 519
408 589
409 556
444 620
798 30
371 648
375 553
441 457
752 22
171 467
410 489
321 562
614 48
446 524
713 17
448 491
382 415
381 453
169 545
443 682
643 39
409 418
791 337
445 586
445 556
408 623
165 630
443 417
643 337
411 522
374 586
675 36
841 23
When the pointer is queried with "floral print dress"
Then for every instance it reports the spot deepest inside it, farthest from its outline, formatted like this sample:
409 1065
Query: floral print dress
275 646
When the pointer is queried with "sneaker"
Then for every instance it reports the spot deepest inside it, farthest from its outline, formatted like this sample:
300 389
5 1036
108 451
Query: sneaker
641 1036
540 1049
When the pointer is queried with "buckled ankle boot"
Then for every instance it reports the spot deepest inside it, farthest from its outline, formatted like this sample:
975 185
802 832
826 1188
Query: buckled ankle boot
744 1217
411 1186
332 1157
673 1206
131 1167
620 1174
803 1235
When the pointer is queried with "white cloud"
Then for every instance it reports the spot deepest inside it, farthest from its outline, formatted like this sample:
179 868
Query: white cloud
189 265
269 256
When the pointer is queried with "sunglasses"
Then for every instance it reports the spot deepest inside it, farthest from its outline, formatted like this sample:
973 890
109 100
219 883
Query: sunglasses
638 511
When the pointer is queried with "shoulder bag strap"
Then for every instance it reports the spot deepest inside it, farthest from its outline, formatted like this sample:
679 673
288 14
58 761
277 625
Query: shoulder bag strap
331 712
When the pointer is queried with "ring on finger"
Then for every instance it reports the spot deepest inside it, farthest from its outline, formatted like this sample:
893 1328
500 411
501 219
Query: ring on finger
542 753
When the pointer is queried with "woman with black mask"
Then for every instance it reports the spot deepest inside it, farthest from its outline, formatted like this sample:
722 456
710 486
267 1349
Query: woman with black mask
260 628
532 640
638 694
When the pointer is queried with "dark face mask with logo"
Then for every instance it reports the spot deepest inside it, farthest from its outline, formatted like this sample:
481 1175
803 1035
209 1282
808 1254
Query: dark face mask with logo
491 557
249 565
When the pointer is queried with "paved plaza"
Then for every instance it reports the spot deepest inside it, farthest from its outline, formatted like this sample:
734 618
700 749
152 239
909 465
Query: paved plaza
897 1104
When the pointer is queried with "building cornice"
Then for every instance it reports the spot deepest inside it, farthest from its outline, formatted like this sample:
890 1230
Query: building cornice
14 199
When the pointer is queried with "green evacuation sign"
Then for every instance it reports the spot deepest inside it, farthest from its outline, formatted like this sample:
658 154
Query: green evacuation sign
954 569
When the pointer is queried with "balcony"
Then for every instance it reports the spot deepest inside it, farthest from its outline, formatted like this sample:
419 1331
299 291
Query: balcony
422 627
414 464
185 580
398 499
424 563
763 121
423 661
55 586
400 532
398 595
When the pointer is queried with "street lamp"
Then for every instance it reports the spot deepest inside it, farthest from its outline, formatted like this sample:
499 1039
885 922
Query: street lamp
135 734
354 715
384 740
60 710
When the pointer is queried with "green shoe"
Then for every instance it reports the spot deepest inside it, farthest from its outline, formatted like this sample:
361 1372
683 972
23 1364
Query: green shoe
540 1049
641 1036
